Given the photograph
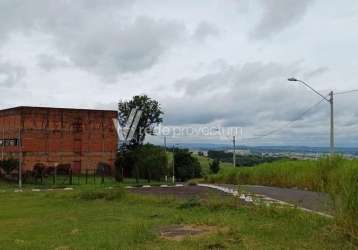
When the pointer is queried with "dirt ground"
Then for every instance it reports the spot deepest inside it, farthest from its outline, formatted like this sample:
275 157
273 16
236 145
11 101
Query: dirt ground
180 232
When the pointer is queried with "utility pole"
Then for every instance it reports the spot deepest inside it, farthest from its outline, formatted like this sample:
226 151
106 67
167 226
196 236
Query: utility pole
234 151
332 123
165 144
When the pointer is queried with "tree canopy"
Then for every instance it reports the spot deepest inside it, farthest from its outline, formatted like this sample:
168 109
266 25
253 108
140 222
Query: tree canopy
185 165
151 116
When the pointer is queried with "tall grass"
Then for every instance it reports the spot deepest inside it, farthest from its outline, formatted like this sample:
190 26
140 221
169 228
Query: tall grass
336 176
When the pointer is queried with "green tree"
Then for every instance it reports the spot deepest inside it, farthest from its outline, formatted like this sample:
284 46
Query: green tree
215 166
151 116
152 162
142 162
185 165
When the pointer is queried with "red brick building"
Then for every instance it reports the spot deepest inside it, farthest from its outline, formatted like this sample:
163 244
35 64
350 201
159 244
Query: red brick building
82 138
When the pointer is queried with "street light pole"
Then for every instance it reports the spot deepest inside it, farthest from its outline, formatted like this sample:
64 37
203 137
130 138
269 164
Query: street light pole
332 151
331 102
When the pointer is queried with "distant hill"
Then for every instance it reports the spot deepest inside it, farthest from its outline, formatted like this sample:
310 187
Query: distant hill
269 149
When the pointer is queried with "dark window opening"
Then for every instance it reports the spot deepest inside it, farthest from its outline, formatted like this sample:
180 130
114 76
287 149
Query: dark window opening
8 142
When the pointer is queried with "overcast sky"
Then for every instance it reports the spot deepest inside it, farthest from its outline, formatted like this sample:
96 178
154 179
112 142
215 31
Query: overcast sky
209 62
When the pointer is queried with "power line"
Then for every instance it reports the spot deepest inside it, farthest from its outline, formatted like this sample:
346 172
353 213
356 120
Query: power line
346 92
288 124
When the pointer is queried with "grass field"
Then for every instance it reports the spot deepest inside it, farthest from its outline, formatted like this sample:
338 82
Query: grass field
205 162
337 176
112 219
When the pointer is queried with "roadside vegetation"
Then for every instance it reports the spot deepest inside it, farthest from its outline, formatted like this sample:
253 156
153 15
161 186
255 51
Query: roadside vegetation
337 176
242 160
98 218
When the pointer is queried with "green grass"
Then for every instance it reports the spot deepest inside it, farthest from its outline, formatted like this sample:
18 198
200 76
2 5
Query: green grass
337 176
205 162
88 220
309 175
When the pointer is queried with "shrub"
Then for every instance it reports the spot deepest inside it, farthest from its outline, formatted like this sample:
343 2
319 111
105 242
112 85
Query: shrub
38 170
63 169
9 165
215 166
103 169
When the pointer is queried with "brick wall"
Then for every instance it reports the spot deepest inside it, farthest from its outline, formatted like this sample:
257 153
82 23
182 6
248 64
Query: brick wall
54 136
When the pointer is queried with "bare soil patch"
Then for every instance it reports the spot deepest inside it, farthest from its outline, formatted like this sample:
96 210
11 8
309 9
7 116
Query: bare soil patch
180 232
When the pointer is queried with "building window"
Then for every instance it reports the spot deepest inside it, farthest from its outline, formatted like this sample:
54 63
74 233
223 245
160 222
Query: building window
8 142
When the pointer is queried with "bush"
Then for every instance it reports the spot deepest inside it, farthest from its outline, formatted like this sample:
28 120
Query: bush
185 165
63 169
215 166
103 169
38 170
103 194
9 165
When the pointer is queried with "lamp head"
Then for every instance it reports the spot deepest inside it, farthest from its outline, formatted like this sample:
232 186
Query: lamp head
292 79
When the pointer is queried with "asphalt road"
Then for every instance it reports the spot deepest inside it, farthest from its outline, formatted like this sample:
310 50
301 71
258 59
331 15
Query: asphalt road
320 202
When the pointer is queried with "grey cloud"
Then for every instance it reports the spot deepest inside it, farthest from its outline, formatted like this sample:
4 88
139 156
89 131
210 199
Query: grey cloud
132 48
255 96
205 30
50 62
98 36
10 74
278 15
316 72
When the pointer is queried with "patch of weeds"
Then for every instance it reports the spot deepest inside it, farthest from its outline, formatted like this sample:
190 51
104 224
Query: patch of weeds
177 219
155 216
215 246
101 194
190 203
275 211
234 236
219 203
142 232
